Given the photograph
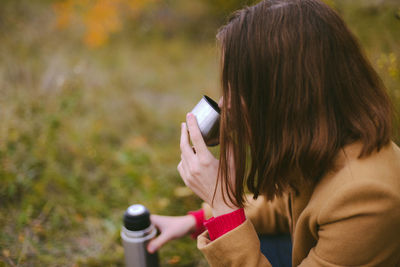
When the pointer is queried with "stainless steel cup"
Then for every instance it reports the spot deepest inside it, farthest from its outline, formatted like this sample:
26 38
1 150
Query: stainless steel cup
207 114
136 234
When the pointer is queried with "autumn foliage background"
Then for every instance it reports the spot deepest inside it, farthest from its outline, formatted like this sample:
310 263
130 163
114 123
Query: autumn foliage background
92 93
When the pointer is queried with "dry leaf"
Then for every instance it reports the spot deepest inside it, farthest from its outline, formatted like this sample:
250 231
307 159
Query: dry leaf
174 260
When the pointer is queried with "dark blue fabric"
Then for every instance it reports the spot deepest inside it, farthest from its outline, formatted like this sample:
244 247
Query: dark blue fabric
277 249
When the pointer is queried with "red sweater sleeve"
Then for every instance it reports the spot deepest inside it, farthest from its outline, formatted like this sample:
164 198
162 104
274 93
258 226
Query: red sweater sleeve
199 217
222 224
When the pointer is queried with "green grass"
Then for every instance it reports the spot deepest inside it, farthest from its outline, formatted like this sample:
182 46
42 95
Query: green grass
85 133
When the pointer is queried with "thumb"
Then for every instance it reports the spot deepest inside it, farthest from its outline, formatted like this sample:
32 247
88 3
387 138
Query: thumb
157 243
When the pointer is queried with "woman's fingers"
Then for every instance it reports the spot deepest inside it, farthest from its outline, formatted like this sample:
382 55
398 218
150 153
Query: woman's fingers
199 168
183 172
186 149
180 170
186 170
170 227
185 165
158 242
156 220
155 244
195 135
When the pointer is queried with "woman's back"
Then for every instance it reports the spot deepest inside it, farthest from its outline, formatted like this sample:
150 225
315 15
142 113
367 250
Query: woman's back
353 214
350 218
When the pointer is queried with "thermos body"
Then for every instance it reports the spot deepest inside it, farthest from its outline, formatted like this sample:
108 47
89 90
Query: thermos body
136 234
135 243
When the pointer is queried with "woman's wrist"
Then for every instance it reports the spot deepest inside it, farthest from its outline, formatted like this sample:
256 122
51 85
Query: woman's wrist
222 205
222 209
191 220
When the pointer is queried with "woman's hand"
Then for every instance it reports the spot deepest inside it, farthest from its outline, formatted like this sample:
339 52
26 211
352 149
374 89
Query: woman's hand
199 168
171 227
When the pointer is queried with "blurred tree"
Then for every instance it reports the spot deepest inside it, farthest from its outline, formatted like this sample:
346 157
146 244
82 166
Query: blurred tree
100 18
222 8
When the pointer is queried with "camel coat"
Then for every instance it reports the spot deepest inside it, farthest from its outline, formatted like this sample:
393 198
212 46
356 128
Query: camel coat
350 218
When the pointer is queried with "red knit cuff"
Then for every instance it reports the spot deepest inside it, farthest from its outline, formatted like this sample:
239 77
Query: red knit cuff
199 216
222 224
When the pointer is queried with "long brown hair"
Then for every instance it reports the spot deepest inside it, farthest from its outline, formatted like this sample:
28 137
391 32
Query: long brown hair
297 88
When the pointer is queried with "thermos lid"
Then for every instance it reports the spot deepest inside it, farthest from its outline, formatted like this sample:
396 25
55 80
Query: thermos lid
137 218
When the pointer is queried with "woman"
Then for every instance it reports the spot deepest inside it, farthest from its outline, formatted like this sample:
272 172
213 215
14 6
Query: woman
306 128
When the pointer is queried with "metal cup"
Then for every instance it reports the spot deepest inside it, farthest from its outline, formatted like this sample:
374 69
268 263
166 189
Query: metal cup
207 114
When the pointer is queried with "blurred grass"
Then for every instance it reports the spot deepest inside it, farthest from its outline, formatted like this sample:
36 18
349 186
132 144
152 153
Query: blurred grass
85 133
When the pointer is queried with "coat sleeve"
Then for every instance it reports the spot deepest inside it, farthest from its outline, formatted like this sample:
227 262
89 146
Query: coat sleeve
241 246
267 217
237 248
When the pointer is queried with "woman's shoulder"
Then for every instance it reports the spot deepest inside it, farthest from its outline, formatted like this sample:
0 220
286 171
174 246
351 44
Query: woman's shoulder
362 180
356 209
381 167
